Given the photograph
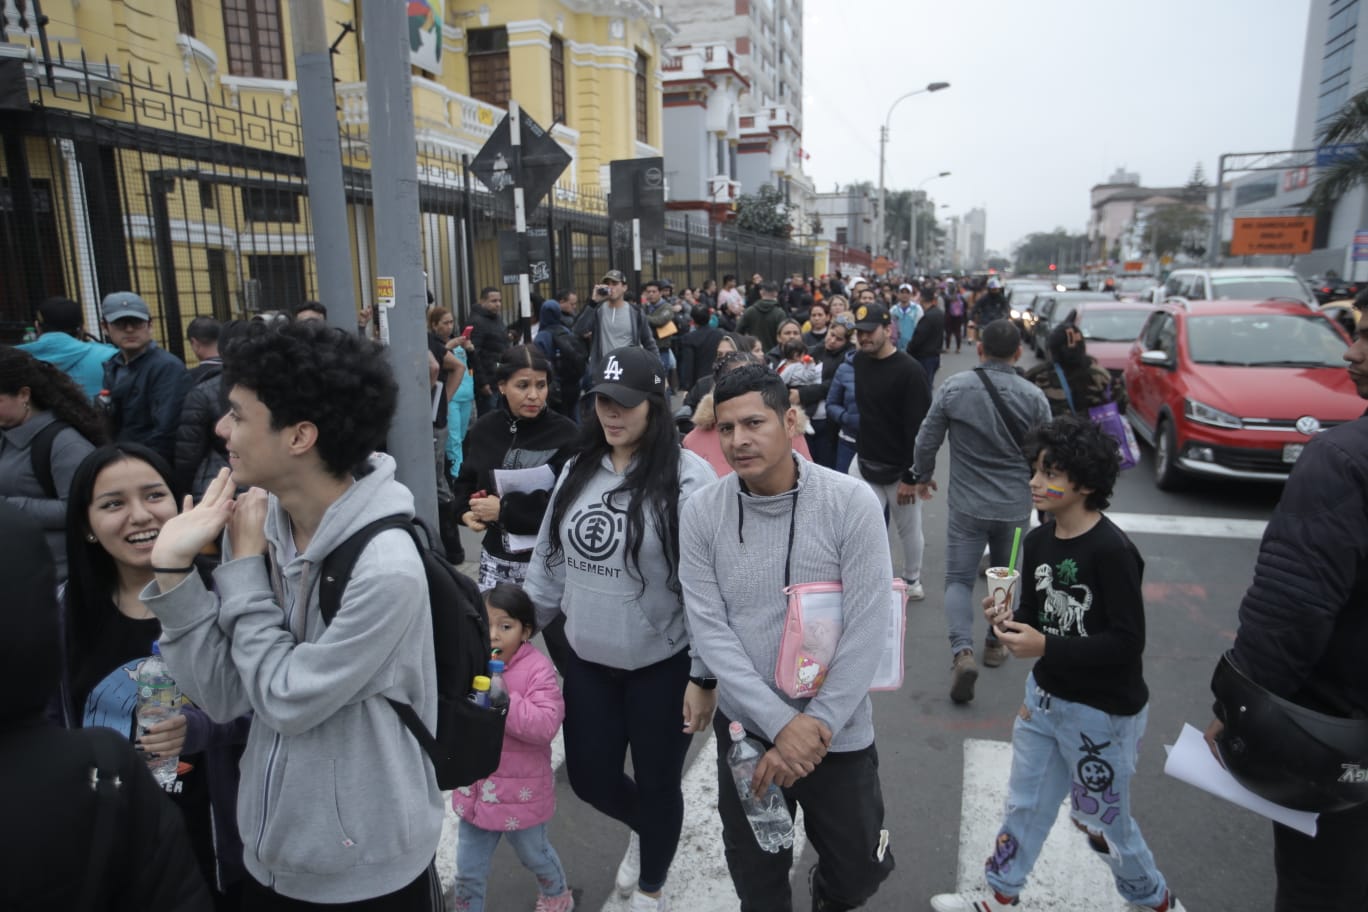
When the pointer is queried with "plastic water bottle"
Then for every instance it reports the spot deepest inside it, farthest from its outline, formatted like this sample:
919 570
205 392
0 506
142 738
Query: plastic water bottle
158 700
768 813
479 691
498 692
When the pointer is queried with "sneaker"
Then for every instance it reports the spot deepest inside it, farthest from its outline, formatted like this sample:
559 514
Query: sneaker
629 872
994 653
915 591
984 901
643 903
565 902
962 677
1170 904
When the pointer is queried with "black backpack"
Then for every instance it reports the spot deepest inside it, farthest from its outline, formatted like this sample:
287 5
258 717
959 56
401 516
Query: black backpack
469 738
572 355
40 456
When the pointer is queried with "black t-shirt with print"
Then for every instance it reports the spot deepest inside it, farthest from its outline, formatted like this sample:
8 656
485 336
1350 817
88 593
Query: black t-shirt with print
1085 595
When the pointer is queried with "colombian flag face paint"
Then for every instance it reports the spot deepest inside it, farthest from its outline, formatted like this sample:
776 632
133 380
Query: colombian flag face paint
1054 492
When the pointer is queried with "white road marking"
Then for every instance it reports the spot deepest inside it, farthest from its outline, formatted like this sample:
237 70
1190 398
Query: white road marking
698 878
1068 877
1199 526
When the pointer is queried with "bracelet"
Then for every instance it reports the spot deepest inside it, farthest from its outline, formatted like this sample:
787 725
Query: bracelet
190 569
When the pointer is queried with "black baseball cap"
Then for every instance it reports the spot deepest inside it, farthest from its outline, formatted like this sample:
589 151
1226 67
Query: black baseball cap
869 317
629 375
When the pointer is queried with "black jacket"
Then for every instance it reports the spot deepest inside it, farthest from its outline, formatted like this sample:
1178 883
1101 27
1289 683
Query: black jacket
497 441
199 452
1304 621
51 811
490 338
145 398
992 306
929 337
697 350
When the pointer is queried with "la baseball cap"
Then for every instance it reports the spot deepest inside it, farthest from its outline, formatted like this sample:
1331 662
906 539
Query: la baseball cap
614 275
869 317
629 375
122 304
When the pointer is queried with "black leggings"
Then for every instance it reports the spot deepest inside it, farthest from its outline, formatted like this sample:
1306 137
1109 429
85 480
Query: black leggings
608 710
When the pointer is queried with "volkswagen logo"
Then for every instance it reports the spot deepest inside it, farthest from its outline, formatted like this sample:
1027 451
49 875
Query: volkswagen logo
1308 425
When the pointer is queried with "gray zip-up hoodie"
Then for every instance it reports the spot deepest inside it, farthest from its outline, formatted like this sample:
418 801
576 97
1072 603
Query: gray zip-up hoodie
608 619
732 550
338 802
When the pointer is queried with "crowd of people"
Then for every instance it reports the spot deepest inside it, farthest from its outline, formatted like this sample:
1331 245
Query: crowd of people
651 479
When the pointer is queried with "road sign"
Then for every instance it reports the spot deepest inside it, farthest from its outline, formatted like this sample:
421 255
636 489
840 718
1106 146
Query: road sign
541 164
637 191
1360 246
1331 155
1133 266
1286 235
536 263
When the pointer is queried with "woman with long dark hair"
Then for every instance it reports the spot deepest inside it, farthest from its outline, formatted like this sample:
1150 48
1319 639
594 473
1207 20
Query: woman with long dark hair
607 558
512 457
120 498
47 426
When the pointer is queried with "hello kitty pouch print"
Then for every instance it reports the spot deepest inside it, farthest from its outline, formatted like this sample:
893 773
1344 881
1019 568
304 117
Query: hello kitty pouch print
812 630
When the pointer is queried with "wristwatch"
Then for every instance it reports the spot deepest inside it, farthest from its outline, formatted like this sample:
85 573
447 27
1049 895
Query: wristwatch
705 683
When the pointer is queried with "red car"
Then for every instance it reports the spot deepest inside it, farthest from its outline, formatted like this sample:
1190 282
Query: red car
1110 328
1235 389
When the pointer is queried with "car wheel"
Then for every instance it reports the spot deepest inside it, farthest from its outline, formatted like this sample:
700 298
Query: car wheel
1167 475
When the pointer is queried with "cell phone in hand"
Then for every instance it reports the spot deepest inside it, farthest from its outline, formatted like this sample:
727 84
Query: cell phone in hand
465 333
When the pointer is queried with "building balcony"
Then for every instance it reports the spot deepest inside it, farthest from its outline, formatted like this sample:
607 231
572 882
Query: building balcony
441 116
722 189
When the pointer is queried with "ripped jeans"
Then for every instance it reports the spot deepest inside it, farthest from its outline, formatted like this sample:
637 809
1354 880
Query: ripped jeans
1062 749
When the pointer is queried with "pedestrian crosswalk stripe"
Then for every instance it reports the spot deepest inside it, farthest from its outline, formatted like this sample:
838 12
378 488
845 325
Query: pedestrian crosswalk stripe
1199 526
1068 876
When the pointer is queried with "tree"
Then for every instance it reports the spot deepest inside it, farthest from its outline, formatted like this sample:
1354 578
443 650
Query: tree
1038 250
764 213
1349 126
1001 264
1197 187
1175 228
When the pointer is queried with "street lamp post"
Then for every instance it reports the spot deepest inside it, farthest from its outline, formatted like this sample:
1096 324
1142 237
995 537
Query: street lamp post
883 143
912 252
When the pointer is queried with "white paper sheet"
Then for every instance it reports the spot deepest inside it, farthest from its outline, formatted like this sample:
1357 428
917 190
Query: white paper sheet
1190 761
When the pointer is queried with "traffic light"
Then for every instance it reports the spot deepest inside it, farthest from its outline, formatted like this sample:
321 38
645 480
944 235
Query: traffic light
1052 267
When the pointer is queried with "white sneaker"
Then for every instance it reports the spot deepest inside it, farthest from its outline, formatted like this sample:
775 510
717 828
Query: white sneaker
643 903
629 872
980 901
915 591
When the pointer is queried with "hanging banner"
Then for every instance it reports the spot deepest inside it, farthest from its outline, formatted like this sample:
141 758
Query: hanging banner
425 34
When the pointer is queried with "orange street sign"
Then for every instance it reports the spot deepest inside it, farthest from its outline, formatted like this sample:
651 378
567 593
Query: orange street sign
882 264
1287 235
1133 266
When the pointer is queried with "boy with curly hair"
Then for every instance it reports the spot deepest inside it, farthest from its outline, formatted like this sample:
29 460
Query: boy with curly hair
1077 733
337 803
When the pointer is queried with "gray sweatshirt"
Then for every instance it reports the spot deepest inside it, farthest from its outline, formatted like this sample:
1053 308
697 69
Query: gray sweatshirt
608 619
989 478
731 562
21 488
337 802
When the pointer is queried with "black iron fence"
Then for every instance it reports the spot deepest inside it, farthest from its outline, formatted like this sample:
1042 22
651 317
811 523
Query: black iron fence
197 200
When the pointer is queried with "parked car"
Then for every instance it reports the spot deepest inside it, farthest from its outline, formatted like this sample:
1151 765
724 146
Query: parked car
1135 287
1235 389
1110 328
1235 284
1053 309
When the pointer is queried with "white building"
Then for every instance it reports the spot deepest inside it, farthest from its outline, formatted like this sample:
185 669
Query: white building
847 217
703 87
971 238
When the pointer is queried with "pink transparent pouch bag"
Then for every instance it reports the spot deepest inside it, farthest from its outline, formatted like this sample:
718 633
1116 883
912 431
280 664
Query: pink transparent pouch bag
812 631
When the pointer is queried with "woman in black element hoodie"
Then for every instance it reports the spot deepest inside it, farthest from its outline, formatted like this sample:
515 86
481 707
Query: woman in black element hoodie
512 457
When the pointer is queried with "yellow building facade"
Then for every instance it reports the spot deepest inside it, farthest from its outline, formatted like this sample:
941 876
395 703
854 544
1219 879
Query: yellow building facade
160 148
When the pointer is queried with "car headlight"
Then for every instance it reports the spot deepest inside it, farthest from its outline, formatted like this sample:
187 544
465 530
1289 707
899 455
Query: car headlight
1202 413
1016 315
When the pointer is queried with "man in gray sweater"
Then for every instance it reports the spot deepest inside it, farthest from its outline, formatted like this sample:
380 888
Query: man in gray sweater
780 519
990 492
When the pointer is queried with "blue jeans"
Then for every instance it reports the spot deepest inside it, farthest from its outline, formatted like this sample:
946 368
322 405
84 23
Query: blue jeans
845 454
1064 749
965 537
475 851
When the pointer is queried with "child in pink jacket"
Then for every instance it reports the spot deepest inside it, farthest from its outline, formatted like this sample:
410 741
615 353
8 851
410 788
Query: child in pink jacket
520 797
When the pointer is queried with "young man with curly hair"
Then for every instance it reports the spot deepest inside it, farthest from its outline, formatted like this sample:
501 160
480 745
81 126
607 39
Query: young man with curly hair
1077 734
338 803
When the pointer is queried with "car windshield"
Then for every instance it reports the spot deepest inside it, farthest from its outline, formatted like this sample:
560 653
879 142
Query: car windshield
1134 286
1257 288
1112 325
1265 340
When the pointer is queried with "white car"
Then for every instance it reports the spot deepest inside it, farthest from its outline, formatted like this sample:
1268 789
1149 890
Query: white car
1235 284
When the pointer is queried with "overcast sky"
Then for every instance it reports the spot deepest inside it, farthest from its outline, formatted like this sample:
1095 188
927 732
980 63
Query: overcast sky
1046 98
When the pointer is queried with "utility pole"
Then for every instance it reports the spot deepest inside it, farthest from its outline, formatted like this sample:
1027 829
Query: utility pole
323 162
394 181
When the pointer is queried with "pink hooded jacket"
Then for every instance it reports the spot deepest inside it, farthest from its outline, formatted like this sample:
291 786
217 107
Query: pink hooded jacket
522 792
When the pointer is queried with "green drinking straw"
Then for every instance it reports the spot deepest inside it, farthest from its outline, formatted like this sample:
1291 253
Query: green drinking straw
1016 543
